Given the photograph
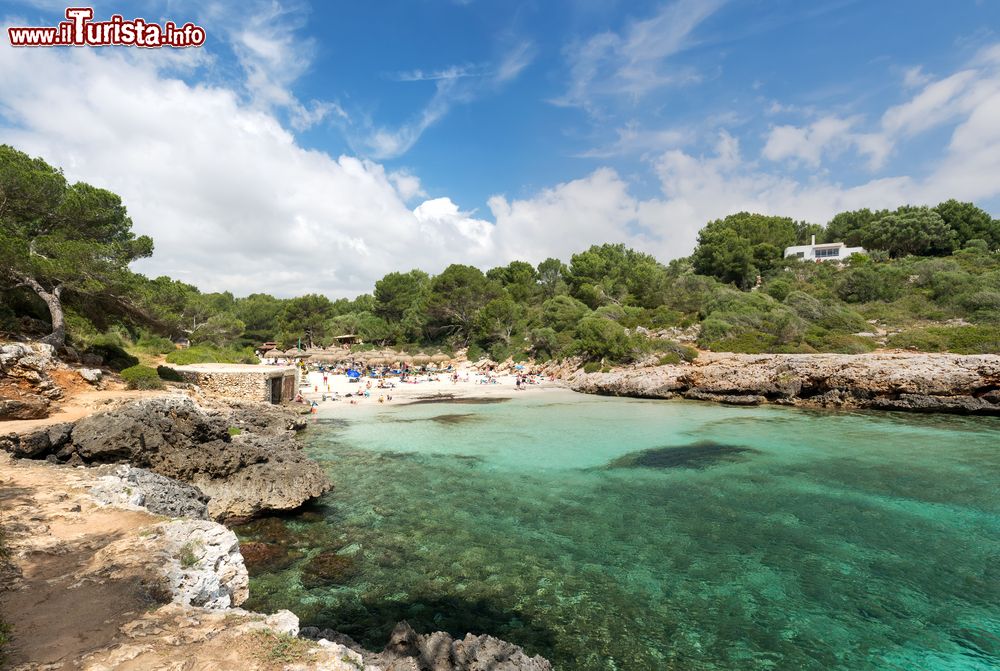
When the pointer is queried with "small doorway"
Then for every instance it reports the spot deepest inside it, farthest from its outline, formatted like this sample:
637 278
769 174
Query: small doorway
275 389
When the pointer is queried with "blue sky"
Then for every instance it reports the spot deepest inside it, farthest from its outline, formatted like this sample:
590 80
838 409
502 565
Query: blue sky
316 147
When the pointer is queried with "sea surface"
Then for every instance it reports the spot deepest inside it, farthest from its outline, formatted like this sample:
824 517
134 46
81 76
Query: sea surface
626 534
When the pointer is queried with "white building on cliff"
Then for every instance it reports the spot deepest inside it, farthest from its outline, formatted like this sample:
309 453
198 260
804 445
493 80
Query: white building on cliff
830 251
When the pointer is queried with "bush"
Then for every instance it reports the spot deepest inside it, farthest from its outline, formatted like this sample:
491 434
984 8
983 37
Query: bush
211 354
822 340
601 338
591 367
958 339
827 314
674 350
169 374
153 344
141 377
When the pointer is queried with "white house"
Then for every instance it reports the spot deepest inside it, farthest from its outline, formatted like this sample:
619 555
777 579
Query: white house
830 251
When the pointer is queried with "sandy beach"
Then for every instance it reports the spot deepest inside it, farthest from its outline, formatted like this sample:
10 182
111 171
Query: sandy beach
330 391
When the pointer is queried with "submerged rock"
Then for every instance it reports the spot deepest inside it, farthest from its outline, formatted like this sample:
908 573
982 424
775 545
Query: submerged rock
266 557
698 455
409 651
327 568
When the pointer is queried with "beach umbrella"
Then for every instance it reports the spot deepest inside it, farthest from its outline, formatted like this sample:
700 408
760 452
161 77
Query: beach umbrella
273 354
353 373
421 359
440 358
291 352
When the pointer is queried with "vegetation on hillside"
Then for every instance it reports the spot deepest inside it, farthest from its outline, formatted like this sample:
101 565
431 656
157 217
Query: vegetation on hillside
930 280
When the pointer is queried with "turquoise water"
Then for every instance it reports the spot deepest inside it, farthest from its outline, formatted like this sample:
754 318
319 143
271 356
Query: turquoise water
625 534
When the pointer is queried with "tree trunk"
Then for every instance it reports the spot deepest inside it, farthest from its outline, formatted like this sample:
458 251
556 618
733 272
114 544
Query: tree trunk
53 301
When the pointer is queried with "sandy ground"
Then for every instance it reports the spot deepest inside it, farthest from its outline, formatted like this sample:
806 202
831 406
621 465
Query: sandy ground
76 406
471 384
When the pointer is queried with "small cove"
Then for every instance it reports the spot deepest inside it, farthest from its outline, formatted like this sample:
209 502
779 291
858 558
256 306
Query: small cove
613 533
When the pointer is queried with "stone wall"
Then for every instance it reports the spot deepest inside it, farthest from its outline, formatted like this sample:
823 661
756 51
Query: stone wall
245 385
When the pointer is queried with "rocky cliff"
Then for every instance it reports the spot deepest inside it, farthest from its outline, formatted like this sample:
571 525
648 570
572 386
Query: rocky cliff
968 384
259 468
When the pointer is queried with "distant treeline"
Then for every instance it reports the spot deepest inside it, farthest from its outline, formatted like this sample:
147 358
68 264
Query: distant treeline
931 280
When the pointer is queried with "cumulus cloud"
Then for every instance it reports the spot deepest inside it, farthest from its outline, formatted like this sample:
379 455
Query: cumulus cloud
230 198
829 135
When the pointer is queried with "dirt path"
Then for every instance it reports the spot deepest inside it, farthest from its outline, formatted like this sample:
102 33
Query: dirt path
60 609
76 406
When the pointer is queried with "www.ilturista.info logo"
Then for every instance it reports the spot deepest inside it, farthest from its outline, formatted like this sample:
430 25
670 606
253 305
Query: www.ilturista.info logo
80 31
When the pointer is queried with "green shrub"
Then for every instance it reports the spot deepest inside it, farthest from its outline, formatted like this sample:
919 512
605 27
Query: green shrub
958 339
141 377
822 340
674 350
169 374
475 353
211 354
153 344
591 367
668 359
828 314
601 338
746 342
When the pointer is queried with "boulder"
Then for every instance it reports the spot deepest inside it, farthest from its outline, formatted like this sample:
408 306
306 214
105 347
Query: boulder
243 475
407 650
91 375
156 493
29 407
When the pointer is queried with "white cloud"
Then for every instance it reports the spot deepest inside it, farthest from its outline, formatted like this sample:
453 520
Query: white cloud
265 37
827 136
563 219
632 63
230 198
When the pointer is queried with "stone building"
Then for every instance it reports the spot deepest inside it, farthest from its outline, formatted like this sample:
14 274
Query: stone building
272 384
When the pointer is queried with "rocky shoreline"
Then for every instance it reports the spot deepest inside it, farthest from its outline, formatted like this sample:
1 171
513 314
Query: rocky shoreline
948 383
109 519
244 459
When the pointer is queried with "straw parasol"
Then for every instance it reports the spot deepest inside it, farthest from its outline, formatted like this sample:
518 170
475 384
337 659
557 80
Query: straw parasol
273 354
421 359
440 358
292 351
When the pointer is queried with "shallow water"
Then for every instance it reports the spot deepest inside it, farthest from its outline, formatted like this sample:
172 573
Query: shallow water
625 534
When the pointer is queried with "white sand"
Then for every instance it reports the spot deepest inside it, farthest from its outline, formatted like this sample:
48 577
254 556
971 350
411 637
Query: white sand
470 384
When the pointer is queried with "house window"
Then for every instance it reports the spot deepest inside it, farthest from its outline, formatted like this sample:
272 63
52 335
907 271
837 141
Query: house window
799 255
827 253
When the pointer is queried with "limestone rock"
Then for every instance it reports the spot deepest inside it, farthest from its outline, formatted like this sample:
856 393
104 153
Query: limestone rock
409 651
91 375
29 407
204 565
156 493
243 475
893 381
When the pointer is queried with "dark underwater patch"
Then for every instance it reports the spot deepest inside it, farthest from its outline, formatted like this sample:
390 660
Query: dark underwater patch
700 455
449 398
449 419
